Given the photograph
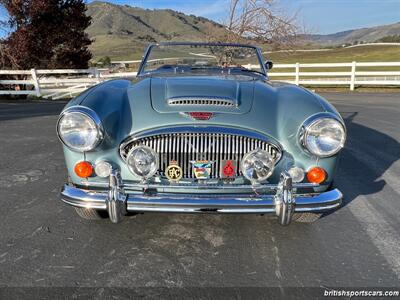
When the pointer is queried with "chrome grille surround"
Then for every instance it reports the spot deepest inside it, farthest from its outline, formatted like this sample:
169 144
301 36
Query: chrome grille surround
185 144
201 101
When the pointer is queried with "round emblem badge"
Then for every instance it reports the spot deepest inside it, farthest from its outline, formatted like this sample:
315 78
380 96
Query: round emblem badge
174 172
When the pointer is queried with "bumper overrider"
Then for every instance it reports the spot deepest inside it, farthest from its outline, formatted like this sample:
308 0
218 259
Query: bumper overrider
284 203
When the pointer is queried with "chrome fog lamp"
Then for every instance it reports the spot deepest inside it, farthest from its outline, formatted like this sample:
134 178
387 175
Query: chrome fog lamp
297 174
79 128
323 136
142 161
257 165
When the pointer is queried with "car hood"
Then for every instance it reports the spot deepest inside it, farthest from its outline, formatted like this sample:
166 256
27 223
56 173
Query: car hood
198 92
275 110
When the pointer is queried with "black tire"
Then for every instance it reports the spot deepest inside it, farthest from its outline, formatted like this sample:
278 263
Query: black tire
91 214
306 217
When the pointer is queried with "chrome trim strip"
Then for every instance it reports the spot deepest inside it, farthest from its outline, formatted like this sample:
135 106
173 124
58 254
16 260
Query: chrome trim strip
234 204
194 185
201 101
262 62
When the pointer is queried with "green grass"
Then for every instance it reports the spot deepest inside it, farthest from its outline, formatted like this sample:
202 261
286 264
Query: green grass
359 54
117 48
125 48
342 55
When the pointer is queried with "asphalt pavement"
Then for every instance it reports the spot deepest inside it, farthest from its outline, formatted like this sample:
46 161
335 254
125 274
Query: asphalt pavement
43 243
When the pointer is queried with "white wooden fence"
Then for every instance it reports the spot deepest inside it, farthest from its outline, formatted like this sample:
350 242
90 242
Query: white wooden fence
301 74
56 84
44 82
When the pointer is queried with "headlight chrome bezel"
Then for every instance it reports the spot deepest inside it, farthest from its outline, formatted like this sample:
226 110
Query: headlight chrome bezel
88 113
312 121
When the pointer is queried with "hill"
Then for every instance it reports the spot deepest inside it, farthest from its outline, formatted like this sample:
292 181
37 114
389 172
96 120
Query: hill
123 32
350 36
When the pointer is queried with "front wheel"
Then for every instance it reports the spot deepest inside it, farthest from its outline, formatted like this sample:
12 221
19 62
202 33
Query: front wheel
91 214
306 217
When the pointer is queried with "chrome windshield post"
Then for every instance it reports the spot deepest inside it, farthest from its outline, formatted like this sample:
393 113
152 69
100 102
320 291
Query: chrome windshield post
116 200
284 200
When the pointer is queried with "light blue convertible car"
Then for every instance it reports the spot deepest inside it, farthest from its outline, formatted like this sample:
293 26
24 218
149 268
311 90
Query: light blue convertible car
201 130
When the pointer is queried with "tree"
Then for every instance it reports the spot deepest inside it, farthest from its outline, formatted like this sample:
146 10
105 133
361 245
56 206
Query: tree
45 34
258 20
104 61
389 39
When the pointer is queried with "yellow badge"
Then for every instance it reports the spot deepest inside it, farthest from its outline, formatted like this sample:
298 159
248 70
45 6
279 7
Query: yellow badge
174 172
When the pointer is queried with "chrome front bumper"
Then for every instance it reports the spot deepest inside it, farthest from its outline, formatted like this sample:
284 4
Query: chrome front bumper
284 203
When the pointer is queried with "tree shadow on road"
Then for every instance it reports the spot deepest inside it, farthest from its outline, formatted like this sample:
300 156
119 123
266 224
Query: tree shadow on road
12 110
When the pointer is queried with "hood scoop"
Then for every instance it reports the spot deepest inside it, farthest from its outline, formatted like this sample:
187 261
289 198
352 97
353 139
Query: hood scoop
202 101
202 94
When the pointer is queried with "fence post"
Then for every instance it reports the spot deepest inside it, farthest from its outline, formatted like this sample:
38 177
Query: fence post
36 82
297 80
353 75
97 75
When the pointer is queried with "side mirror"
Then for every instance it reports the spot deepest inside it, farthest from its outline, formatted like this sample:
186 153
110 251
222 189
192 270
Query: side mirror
269 64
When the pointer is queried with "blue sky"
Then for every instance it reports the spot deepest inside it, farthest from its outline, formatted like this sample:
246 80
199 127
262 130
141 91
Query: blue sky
319 16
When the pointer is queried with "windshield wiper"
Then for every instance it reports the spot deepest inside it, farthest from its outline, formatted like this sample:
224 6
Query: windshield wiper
203 68
250 71
228 70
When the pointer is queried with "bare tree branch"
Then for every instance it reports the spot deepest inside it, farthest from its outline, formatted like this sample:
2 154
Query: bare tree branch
258 20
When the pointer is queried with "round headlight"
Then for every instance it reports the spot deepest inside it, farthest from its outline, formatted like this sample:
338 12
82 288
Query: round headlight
257 165
142 161
79 131
324 137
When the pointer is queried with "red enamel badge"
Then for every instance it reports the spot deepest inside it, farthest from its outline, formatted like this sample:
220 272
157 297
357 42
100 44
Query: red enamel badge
203 116
228 169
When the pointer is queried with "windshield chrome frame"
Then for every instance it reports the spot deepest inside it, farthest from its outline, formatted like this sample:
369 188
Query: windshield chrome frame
148 50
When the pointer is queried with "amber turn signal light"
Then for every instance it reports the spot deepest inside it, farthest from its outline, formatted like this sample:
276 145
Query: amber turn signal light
316 175
83 169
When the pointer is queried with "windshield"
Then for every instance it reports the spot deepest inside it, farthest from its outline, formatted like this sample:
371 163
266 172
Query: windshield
182 58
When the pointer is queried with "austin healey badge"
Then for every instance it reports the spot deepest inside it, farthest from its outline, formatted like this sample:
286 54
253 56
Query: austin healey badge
202 168
174 172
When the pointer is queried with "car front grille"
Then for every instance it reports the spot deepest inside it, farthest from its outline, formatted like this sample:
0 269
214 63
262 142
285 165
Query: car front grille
186 147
